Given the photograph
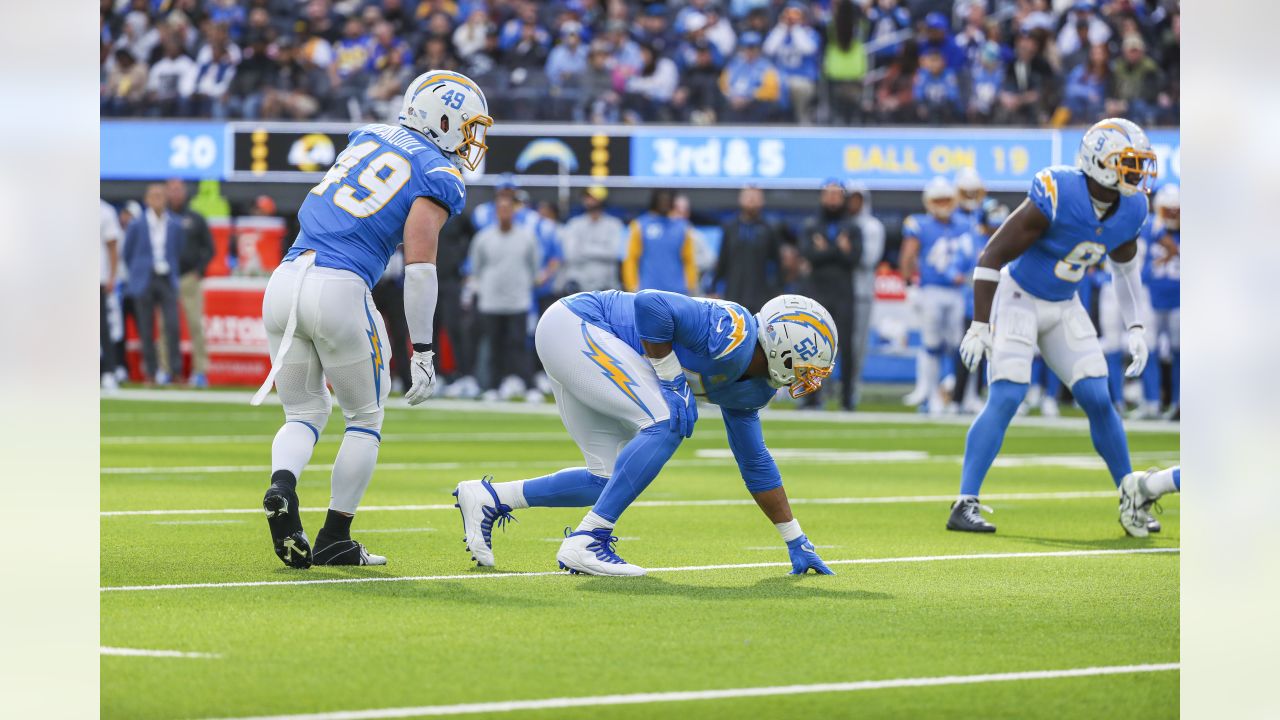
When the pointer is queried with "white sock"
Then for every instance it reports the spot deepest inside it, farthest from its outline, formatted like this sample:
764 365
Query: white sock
352 470
789 530
291 449
511 493
931 370
593 522
1160 483
962 498
921 359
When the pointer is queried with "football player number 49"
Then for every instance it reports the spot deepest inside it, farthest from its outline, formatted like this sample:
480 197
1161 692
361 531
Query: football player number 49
382 178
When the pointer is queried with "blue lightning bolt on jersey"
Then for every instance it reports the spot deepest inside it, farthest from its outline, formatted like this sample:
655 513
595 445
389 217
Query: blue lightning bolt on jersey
1161 269
354 218
946 248
1052 267
714 341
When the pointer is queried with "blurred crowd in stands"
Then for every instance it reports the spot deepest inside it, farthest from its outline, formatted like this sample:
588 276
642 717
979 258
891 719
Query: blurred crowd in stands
834 62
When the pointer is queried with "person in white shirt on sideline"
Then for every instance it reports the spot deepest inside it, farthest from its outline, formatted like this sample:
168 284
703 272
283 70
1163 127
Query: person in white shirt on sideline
864 275
109 236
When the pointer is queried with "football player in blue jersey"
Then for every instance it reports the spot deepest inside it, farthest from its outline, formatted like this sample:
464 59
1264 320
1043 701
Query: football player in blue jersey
939 244
1025 296
391 184
626 370
1139 491
1162 275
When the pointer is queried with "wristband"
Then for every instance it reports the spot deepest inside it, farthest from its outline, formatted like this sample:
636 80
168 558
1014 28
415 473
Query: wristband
668 368
422 347
789 530
986 273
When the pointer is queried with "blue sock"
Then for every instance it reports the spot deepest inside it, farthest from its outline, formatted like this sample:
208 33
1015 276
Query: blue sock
1104 426
986 435
1115 376
1151 380
638 464
1176 380
1177 478
572 487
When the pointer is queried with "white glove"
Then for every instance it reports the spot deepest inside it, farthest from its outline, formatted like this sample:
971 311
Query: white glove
422 367
975 345
1138 350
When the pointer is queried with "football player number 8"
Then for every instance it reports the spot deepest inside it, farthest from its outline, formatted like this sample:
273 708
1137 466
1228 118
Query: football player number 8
1072 267
382 178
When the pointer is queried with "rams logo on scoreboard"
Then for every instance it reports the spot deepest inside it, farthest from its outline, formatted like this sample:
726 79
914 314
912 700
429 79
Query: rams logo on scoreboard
312 152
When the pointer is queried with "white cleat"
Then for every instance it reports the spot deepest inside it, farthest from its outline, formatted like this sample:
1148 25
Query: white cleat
1049 407
480 508
1134 517
591 553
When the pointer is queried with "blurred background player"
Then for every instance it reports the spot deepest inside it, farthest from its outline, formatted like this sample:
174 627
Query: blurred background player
831 245
1025 288
391 184
971 196
1139 491
110 238
626 370
864 276
661 254
1161 274
938 245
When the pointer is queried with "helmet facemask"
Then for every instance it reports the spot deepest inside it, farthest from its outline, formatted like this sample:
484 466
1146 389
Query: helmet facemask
472 149
1135 169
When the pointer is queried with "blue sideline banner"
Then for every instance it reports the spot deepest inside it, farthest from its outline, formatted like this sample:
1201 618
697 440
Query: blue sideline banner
884 159
155 150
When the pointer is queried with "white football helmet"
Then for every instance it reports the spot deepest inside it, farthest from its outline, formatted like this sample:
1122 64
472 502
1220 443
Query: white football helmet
970 189
939 197
1117 155
451 111
799 340
1168 204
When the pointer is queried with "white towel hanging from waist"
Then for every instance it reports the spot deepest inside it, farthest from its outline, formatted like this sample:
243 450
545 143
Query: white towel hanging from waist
303 263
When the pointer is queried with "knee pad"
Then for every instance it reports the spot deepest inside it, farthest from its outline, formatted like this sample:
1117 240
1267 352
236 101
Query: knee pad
1092 394
1005 396
367 422
313 414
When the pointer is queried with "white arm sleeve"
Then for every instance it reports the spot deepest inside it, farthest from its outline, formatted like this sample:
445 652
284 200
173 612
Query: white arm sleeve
420 290
1128 282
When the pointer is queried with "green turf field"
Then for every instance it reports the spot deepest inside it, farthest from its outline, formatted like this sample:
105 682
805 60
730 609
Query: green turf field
1064 590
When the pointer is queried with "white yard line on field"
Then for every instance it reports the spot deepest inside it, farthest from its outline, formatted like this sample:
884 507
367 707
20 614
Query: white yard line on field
198 522
686 568
707 457
1067 495
548 409
364 531
561 703
135 652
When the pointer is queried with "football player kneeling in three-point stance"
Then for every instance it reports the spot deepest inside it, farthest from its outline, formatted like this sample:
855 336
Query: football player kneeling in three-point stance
626 370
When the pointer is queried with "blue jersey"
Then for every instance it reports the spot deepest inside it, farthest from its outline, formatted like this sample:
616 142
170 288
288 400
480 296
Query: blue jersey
354 218
714 341
946 248
1161 271
1052 267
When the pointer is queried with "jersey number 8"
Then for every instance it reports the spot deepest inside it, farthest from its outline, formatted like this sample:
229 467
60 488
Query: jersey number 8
1071 268
382 178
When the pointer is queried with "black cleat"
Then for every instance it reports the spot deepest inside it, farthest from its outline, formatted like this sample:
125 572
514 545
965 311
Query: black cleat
966 516
291 544
343 552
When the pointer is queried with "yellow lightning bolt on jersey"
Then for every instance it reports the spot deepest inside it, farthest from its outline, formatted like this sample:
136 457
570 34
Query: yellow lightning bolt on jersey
1051 189
612 369
737 331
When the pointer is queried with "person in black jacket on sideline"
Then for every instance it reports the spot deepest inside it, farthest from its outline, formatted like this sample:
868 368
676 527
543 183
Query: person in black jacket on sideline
831 245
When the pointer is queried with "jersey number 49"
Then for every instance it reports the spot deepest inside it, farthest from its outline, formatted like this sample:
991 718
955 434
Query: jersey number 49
380 180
